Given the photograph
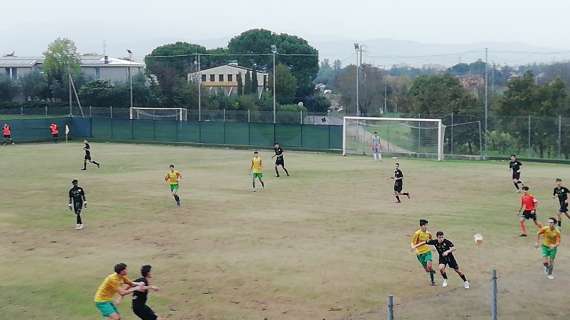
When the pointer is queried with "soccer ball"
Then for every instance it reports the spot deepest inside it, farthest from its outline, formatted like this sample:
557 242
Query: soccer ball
478 238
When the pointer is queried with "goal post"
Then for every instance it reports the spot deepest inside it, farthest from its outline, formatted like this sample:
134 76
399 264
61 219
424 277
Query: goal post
398 136
178 114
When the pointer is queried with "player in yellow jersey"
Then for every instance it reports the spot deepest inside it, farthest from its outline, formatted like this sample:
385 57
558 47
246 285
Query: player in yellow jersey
173 179
256 170
115 284
549 245
423 252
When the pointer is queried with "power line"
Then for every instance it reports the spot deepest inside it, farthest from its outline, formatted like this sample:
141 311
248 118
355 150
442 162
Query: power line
231 54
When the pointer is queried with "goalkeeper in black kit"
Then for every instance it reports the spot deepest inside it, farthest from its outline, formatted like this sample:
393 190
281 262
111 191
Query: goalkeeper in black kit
77 202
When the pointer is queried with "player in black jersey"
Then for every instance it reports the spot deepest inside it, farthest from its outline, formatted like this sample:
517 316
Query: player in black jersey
87 149
561 192
445 250
515 165
140 297
279 161
77 201
399 183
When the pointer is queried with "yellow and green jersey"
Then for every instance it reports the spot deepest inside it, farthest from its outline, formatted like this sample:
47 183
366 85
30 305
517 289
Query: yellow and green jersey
110 287
420 236
551 237
256 165
172 177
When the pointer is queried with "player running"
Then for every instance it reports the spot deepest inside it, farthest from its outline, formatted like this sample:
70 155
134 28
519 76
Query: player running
515 165
399 183
256 170
113 284
527 210
280 161
7 134
445 249
549 245
77 201
139 297
173 179
87 149
376 147
562 193
423 252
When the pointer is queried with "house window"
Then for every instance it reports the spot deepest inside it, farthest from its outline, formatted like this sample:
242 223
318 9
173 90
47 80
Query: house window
221 78
212 78
230 77
97 73
203 78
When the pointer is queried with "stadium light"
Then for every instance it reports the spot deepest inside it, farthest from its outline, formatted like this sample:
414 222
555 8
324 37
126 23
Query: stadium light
130 77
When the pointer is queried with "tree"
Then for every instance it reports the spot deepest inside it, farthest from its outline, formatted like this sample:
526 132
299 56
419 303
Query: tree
171 64
371 88
60 60
34 86
247 83
8 89
254 81
303 68
285 86
99 93
239 84
439 95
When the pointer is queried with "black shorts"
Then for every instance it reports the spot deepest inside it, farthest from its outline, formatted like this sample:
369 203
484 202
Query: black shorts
527 214
87 156
55 135
449 260
7 136
563 207
144 312
280 162
516 175
398 186
77 206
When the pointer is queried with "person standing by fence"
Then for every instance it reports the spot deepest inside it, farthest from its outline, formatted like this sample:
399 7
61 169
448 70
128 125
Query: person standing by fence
54 130
7 133
376 147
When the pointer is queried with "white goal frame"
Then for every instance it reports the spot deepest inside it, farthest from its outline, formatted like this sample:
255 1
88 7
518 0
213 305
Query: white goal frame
182 112
440 128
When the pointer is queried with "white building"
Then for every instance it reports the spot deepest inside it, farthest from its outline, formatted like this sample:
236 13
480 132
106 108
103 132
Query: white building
224 78
94 67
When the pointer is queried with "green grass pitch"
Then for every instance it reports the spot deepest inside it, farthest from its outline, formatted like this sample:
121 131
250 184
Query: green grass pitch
326 243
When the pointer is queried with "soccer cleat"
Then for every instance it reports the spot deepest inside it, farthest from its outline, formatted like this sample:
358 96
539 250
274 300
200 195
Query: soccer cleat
77 227
444 284
83 169
408 195
550 277
178 203
80 227
98 165
466 285
522 235
545 270
433 283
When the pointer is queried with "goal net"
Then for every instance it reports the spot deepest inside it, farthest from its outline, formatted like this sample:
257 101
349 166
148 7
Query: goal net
179 114
398 136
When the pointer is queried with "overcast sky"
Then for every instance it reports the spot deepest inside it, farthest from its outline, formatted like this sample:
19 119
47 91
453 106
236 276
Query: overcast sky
27 26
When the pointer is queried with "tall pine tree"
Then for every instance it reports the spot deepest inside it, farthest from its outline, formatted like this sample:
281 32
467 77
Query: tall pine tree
247 83
254 83
239 85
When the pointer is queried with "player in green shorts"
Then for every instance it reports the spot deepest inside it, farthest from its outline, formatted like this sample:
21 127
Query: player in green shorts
549 245
256 170
173 179
423 252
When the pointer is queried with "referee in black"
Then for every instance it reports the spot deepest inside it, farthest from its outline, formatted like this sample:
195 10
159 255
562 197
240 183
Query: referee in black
279 161
87 149
140 297
77 201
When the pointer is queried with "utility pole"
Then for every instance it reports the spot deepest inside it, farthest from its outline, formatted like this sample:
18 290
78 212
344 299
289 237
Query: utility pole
274 51
357 49
385 96
130 78
199 88
486 96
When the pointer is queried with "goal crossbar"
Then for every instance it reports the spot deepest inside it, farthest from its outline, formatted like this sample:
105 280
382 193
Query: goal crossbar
181 113
437 122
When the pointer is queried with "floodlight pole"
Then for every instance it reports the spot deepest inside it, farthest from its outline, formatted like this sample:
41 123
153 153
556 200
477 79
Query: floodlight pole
486 96
356 48
274 51
199 89
130 78
69 89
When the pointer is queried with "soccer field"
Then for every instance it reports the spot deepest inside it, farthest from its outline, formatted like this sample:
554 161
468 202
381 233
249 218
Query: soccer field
326 243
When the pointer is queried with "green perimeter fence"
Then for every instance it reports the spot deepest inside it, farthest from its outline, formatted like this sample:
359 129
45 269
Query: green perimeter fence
296 136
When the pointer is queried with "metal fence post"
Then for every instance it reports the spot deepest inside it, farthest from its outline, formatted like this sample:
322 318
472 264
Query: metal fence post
559 136
22 110
390 315
90 112
111 111
46 110
452 133
494 295
224 115
248 116
529 124
301 116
